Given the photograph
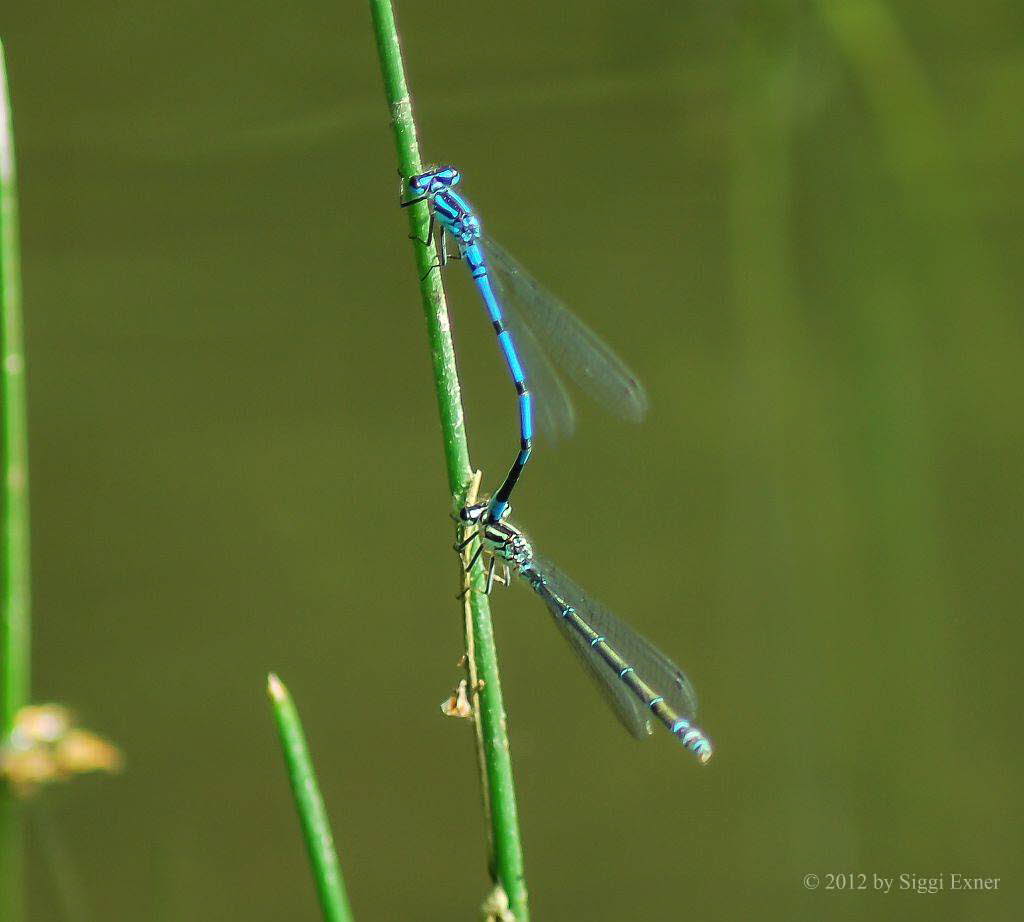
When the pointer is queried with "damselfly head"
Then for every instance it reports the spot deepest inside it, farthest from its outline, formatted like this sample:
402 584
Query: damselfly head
474 514
445 176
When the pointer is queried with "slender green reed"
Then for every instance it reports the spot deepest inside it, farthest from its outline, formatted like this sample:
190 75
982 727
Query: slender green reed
316 826
506 859
15 598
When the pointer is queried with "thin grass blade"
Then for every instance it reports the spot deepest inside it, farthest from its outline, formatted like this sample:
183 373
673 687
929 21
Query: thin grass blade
316 827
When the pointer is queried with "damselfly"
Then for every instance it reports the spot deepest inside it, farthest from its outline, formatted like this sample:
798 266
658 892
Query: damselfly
528 320
636 678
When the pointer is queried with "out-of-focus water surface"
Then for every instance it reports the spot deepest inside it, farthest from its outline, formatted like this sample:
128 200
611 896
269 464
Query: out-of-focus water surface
800 224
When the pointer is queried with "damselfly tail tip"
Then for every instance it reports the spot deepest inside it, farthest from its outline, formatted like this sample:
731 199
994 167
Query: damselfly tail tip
698 744
693 739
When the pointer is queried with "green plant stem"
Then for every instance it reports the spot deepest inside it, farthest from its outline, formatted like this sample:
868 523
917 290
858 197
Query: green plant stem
16 592
316 827
15 636
506 859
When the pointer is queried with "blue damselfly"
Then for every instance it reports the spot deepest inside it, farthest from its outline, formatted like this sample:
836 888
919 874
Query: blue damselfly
529 320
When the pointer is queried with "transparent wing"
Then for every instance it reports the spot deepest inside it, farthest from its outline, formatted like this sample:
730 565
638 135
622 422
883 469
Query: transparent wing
573 348
651 665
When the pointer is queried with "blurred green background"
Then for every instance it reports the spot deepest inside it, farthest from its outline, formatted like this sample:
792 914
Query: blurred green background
799 223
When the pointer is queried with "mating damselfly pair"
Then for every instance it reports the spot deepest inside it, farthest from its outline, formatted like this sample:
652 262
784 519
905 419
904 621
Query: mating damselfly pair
540 340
